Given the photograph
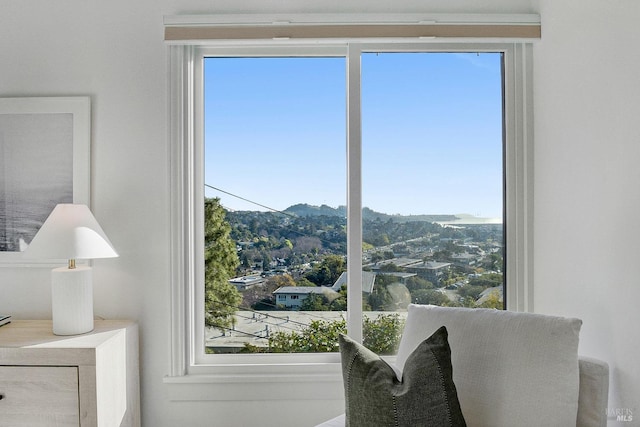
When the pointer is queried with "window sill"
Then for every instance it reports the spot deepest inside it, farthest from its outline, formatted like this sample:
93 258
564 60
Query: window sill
324 383
301 381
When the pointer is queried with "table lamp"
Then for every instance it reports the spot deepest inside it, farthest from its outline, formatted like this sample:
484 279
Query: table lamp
71 232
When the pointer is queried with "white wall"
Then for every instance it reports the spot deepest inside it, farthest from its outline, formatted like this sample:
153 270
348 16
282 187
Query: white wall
587 192
587 150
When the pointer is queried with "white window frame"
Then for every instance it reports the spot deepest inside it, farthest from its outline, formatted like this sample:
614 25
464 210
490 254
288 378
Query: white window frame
293 372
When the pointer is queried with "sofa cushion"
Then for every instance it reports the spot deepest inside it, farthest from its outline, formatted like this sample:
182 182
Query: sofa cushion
426 395
594 392
510 369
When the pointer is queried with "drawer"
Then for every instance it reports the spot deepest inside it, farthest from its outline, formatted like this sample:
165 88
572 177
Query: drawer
39 396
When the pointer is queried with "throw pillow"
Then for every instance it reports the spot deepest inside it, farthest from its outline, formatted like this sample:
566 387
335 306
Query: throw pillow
425 396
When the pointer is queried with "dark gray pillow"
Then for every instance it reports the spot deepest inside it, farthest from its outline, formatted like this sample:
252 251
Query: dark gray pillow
426 396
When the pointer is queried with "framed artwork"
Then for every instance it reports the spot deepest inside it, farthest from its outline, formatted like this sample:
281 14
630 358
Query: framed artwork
44 160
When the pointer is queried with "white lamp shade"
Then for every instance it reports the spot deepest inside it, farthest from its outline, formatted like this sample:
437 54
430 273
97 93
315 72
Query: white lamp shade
70 232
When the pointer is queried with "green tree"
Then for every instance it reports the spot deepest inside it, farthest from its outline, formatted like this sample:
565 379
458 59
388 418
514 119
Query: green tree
429 296
493 301
320 336
275 282
414 283
390 268
340 303
385 279
304 282
267 303
327 272
221 261
380 299
315 302
470 291
376 257
382 334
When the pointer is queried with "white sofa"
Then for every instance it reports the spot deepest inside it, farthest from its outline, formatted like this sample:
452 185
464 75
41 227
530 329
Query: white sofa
513 369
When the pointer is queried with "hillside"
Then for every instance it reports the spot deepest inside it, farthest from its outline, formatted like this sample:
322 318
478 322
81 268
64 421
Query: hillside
303 209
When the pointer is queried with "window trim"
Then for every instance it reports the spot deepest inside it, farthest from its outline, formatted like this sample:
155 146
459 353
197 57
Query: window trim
182 62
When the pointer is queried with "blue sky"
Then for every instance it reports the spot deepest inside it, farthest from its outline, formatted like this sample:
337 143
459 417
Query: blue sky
275 132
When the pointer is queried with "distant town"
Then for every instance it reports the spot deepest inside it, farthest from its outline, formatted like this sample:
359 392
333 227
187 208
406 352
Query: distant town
293 268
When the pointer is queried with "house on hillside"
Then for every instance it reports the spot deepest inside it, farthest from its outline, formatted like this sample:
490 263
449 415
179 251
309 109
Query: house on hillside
246 282
292 297
432 271
465 259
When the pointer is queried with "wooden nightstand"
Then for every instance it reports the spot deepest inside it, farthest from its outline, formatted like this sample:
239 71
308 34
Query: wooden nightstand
79 380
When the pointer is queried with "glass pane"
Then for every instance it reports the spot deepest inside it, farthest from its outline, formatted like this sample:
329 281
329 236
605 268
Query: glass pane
275 226
432 186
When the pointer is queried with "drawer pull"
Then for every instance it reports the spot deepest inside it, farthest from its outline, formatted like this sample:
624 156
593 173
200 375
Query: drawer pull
1 396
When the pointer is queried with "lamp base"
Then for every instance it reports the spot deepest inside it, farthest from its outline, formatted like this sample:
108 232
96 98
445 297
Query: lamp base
72 300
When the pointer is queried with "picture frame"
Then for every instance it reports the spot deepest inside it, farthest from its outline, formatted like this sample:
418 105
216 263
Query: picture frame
44 160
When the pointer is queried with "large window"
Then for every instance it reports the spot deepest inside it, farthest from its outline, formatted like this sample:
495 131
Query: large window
275 169
320 189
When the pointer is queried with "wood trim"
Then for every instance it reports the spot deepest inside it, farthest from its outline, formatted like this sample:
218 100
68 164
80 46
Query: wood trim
350 31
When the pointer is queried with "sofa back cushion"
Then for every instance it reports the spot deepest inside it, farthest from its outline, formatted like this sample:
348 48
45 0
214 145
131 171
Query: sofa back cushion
510 369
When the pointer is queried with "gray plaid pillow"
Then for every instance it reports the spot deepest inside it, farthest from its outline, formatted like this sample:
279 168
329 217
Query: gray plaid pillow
426 396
